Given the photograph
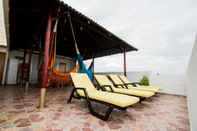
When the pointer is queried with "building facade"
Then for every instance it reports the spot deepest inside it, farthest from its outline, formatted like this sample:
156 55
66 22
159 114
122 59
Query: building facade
3 44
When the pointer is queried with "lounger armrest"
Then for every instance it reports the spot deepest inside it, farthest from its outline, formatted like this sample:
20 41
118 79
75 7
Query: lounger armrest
118 85
133 84
104 87
83 89
97 87
136 83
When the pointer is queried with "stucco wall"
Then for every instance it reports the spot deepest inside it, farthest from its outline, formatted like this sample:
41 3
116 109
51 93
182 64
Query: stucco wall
3 40
192 88
169 83
13 65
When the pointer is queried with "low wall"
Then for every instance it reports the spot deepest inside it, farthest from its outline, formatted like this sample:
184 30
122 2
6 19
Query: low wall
169 83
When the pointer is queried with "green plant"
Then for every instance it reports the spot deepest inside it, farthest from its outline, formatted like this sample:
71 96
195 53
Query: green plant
144 81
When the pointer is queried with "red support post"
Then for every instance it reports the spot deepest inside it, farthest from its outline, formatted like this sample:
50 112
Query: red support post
45 65
46 52
24 56
125 64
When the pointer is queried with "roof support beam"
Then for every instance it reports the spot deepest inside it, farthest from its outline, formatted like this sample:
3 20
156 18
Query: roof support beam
93 69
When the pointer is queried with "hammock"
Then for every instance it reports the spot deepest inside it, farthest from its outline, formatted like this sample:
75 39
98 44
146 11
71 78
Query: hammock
82 67
55 74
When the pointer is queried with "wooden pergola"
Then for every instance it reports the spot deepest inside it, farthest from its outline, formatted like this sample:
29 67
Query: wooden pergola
31 24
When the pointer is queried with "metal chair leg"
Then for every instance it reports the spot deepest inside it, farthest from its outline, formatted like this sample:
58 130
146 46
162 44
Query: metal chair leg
104 117
71 95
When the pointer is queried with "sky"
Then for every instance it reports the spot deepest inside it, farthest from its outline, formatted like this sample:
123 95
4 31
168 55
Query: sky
164 31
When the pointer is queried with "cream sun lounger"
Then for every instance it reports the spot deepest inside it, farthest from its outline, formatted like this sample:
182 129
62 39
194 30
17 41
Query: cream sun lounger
126 81
84 88
103 80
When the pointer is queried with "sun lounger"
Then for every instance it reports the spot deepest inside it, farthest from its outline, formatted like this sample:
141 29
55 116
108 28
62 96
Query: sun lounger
127 83
84 88
103 80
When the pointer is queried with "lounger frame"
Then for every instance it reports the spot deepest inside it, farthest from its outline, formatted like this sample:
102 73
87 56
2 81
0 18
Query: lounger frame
135 84
102 87
105 116
131 83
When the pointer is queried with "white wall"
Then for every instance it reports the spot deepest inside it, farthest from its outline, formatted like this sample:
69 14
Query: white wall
192 88
136 76
169 83
6 19
13 66
34 69
12 71
3 38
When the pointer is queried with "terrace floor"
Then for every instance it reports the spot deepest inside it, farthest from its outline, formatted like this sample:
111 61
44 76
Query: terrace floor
18 112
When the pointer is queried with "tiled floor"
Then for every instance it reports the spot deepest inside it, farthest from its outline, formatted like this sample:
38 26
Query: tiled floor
18 112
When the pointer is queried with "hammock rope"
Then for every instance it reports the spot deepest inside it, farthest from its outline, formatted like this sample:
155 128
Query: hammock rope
82 67
55 74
